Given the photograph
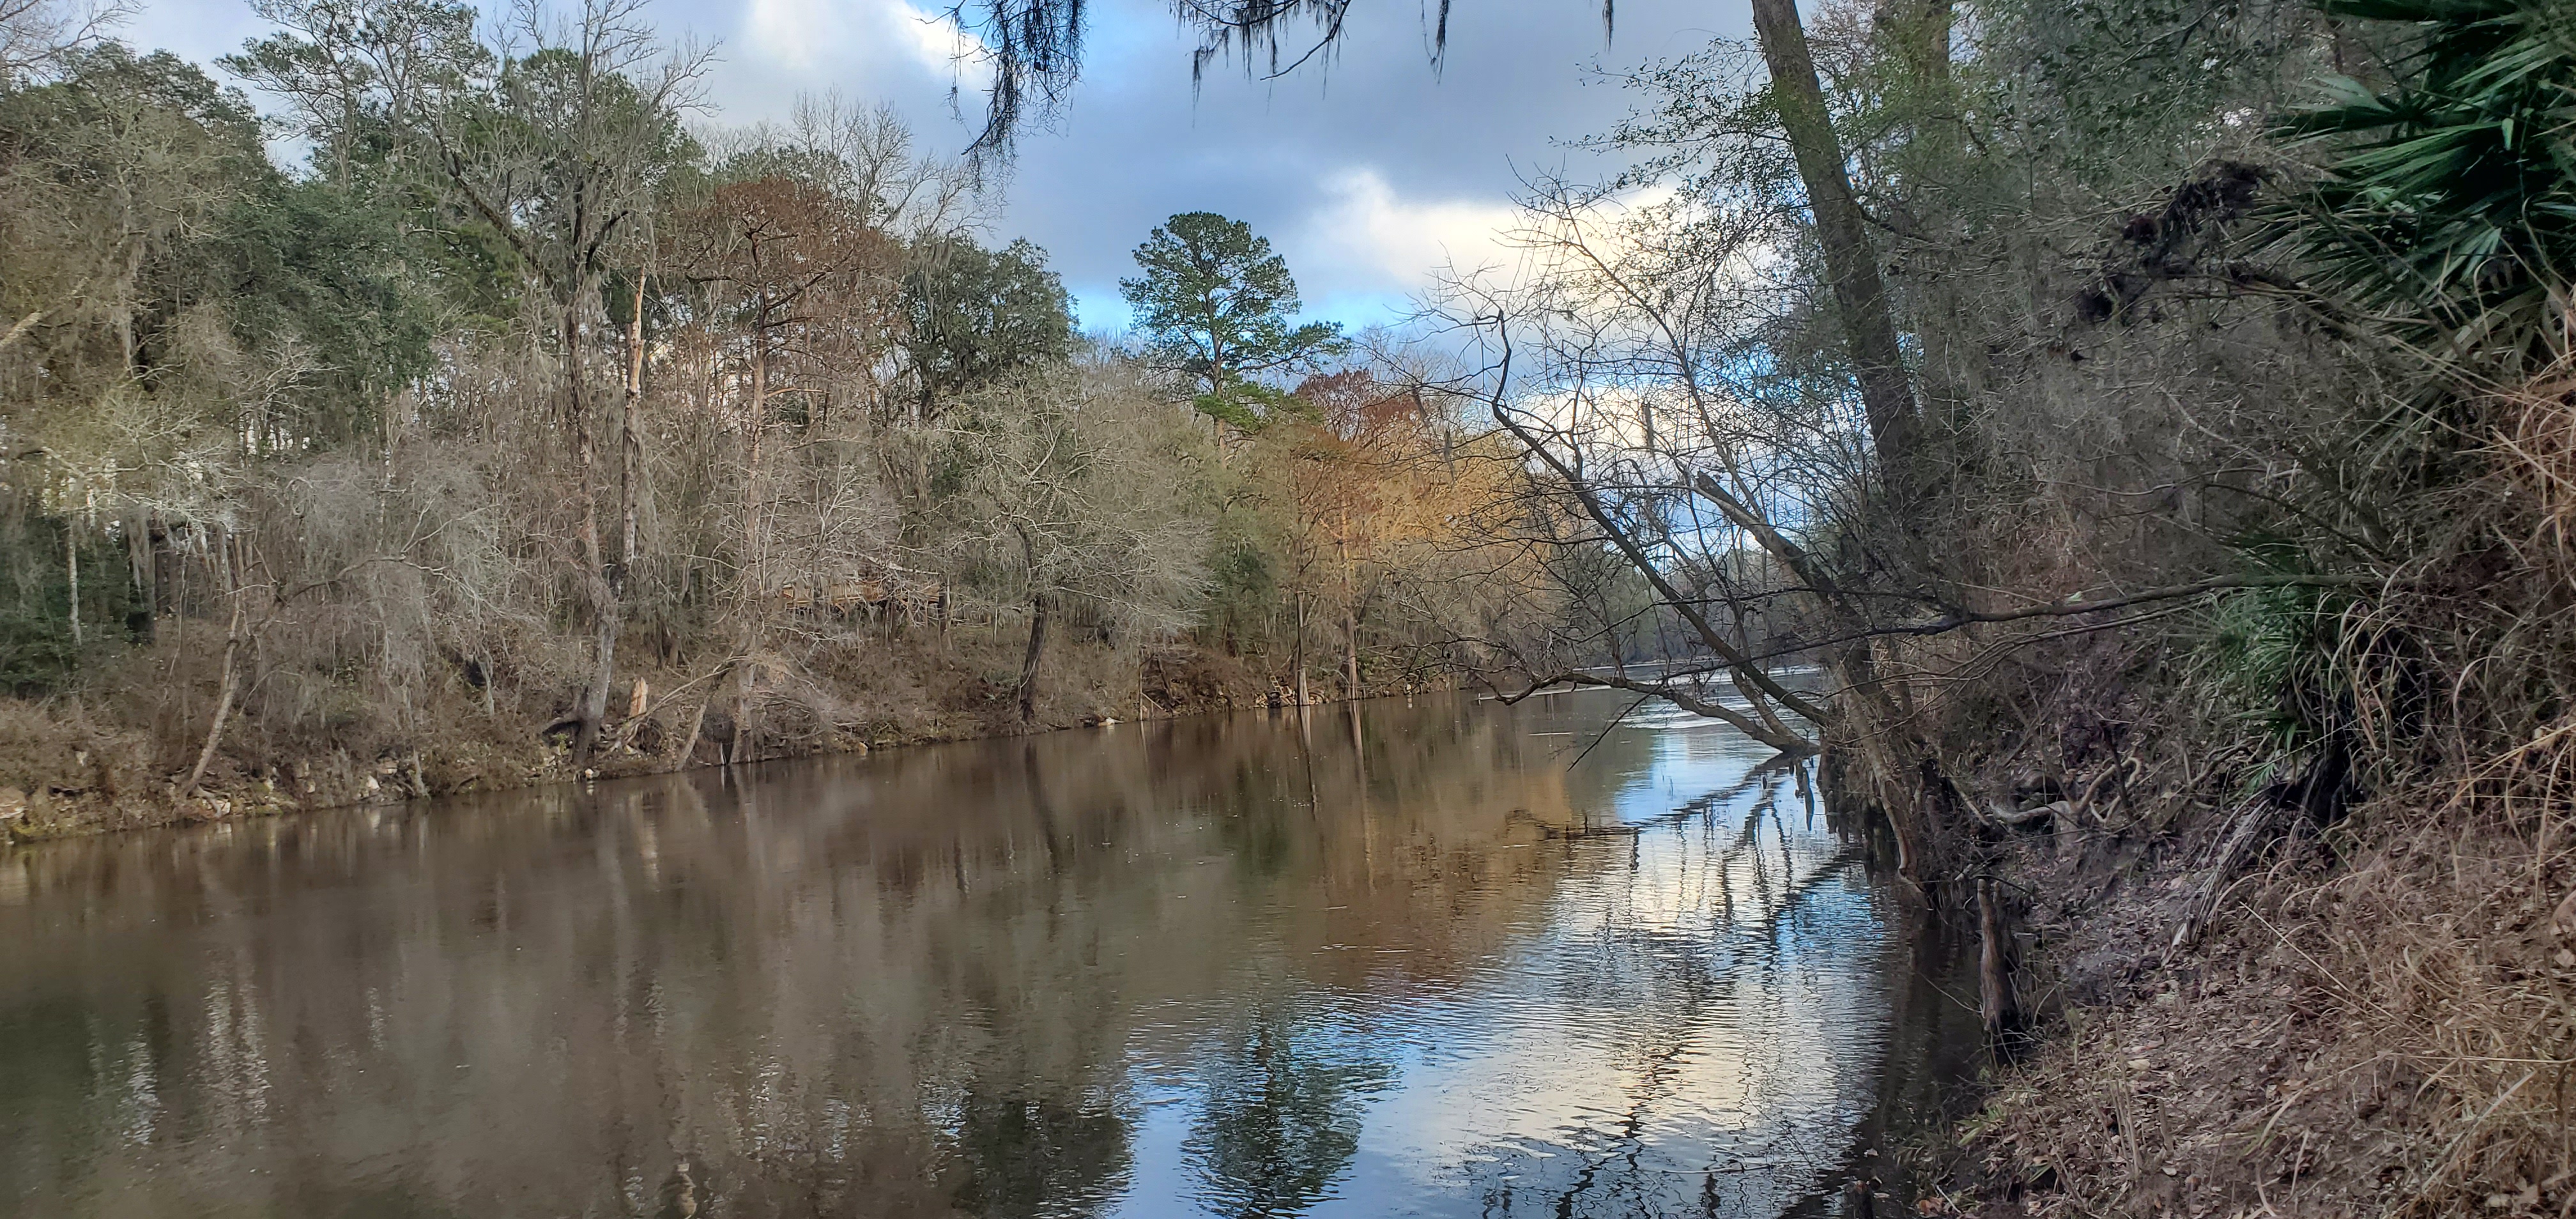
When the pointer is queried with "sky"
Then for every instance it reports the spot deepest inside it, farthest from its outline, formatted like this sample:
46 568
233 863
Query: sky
1368 173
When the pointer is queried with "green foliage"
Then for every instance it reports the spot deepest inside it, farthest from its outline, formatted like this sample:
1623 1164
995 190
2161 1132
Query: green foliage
1214 304
2109 91
38 651
145 195
112 177
554 140
177 305
978 315
1247 405
106 89
367 81
533 162
1243 582
2450 194
2268 659
357 73
329 270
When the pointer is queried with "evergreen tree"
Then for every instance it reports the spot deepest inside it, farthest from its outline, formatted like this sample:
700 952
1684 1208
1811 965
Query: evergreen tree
1214 304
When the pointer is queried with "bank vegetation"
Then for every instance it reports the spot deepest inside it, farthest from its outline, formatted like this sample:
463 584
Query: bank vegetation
2132 442
2154 420
536 424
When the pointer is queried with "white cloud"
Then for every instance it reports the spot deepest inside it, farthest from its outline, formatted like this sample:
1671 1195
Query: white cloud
793 34
938 42
885 44
1368 238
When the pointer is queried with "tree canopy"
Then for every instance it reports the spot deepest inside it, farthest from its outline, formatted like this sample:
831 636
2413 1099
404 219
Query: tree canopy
978 314
1216 307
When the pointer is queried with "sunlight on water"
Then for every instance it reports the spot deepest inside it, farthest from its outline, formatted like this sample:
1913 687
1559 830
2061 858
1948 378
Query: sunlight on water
1392 959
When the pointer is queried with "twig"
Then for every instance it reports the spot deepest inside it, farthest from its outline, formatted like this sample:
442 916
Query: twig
1605 732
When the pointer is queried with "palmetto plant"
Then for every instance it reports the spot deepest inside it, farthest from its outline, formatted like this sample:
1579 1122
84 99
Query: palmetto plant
2449 198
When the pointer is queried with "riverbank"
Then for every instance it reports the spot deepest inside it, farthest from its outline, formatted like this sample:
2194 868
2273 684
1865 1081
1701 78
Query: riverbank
115 757
2235 1008
2233 1004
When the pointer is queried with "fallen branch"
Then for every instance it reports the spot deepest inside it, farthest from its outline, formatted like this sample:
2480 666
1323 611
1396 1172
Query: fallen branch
18 331
1789 743
2070 606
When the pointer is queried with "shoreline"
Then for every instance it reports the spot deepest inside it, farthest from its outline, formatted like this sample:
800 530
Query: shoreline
2200 1071
107 807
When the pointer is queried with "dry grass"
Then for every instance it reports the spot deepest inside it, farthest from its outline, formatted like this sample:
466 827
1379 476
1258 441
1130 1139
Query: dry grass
307 738
2381 1018
2380 1023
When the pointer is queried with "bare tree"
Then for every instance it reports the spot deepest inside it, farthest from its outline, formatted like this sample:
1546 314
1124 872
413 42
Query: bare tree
1624 365
36 34
557 139
1072 503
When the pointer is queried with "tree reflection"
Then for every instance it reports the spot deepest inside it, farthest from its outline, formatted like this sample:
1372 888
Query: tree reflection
1279 1124
1032 1152
929 982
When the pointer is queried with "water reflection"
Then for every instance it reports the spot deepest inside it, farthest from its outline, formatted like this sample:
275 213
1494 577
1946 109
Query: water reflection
1372 960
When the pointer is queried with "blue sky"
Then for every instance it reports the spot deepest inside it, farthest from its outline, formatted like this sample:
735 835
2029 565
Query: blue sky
1367 173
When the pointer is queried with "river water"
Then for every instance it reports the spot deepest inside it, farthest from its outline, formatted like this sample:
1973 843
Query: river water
1436 957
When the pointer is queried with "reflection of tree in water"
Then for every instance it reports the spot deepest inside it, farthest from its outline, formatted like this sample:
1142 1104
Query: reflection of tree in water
1279 1125
695 941
1030 1153
1726 954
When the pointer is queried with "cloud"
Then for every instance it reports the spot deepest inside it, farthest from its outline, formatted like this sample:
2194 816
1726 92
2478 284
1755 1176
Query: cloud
1362 251
793 34
940 45
1368 171
1366 237
894 49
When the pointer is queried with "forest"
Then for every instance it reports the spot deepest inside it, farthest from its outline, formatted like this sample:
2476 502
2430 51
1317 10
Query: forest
534 427
2130 444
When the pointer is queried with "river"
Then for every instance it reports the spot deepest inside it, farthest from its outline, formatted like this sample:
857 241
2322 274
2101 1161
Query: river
1427 957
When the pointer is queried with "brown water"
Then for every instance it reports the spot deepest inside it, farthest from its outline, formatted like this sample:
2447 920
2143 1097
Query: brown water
1385 959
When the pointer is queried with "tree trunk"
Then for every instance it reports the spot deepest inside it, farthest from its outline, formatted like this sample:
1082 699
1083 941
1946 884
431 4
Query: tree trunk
1851 259
1995 1004
697 724
1924 31
1868 323
138 559
71 567
1029 662
594 561
603 650
1932 26
745 674
630 434
1302 698
230 687
755 431
1350 655
1350 611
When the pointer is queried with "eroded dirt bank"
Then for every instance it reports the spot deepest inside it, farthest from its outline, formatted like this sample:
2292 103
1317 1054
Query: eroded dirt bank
71 766
2238 1005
